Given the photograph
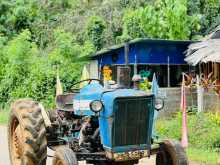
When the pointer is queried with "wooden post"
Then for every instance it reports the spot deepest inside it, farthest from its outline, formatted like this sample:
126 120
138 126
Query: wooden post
184 139
199 95
216 71
135 64
168 71
126 53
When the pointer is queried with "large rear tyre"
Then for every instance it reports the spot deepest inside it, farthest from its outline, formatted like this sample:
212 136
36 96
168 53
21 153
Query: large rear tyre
171 153
27 134
64 156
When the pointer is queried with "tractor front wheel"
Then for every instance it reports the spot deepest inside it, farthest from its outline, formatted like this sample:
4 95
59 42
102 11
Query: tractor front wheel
116 163
64 156
27 134
171 153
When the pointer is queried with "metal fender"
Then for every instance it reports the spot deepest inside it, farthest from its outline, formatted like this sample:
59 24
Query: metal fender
47 121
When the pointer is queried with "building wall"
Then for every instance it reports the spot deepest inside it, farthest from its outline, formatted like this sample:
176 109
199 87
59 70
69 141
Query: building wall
142 53
93 69
211 101
172 97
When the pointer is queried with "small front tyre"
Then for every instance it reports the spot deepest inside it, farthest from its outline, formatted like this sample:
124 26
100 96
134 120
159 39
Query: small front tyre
171 153
116 163
64 156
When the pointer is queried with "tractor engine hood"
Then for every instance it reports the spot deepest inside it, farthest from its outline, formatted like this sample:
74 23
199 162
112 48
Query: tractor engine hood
122 109
95 91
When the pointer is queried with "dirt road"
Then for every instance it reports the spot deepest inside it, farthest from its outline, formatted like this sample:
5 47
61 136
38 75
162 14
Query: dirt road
4 154
4 158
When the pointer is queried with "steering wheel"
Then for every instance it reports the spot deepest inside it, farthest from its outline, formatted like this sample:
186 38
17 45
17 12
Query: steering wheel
86 80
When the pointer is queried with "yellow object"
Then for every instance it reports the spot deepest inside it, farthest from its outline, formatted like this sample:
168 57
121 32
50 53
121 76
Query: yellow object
107 73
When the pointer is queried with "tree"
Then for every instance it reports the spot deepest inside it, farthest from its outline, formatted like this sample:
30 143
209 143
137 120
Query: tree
209 12
95 30
167 19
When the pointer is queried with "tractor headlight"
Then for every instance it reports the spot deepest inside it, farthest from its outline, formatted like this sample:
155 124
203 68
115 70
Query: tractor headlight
96 106
159 103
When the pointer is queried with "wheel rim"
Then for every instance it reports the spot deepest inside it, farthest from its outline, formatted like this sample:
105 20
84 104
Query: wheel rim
16 142
59 162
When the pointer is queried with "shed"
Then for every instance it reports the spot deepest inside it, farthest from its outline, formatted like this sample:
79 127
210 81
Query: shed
205 56
163 57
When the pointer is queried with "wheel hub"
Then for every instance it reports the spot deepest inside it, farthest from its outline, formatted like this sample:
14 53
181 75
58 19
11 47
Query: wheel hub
17 149
59 162
17 142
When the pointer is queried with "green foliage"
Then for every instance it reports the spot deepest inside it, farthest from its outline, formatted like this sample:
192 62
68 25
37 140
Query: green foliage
132 27
107 22
17 53
94 30
39 36
27 73
4 116
165 19
202 156
64 45
208 11
203 132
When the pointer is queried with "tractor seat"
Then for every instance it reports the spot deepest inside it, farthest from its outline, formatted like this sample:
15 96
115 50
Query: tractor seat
65 102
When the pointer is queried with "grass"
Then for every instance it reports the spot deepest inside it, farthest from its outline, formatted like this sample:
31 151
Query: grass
4 117
205 157
203 136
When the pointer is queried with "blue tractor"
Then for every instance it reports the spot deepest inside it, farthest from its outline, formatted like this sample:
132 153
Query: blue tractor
102 126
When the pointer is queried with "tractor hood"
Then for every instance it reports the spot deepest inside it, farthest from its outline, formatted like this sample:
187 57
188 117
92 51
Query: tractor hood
115 113
95 91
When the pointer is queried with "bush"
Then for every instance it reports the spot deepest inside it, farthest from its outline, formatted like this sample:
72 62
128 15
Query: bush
25 72
95 31
164 19
203 131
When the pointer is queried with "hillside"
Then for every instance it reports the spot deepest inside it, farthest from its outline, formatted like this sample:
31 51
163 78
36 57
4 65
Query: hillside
39 37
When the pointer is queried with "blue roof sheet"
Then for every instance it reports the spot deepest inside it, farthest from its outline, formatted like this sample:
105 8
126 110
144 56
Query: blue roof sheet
145 51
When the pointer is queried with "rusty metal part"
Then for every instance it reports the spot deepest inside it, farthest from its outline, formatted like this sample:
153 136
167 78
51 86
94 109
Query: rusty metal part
91 156
154 149
59 162
124 156
65 102
132 155
16 143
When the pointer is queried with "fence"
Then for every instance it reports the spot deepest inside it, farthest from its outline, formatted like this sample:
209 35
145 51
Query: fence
172 98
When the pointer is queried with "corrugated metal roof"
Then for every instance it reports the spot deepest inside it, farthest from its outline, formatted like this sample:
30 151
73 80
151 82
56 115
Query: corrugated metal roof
141 40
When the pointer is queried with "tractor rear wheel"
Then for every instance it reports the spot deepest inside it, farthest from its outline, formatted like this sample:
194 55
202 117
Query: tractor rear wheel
27 134
171 153
64 156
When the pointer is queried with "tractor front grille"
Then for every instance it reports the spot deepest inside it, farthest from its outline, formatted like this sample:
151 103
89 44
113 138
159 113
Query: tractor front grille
133 119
